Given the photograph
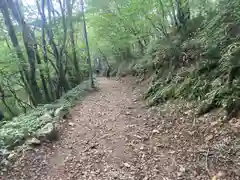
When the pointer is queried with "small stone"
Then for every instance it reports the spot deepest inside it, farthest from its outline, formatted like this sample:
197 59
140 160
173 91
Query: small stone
33 141
98 171
188 112
115 174
221 174
172 152
209 138
5 162
71 124
179 174
4 170
48 132
59 112
137 136
128 113
4 152
191 133
182 169
214 123
126 165
135 100
155 131
145 178
12 156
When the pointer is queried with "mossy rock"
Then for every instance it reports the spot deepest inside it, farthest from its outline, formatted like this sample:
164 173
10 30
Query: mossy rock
48 133
61 112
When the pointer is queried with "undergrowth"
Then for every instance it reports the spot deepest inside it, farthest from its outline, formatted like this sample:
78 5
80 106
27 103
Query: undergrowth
16 131
203 67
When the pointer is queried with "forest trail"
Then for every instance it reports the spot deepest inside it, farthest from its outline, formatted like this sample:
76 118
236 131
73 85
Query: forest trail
111 135
104 139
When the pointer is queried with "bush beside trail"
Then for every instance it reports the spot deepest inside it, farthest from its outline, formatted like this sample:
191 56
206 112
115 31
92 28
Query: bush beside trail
202 67
41 121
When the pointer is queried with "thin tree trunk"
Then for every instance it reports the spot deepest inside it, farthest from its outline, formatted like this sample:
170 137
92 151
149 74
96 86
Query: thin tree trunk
71 34
87 45
14 40
44 49
183 13
31 48
57 53
5 103
62 78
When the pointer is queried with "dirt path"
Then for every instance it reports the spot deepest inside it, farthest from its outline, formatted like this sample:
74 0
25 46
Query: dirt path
103 140
110 135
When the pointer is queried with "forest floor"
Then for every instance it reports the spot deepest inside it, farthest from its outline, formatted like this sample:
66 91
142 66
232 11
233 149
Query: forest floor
112 135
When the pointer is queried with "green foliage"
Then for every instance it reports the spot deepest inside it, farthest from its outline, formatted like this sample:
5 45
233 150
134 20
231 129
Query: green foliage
210 63
192 57
16 131
30 74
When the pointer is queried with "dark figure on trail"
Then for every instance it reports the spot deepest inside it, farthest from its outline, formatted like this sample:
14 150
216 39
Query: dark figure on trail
97 72
108 72
1 115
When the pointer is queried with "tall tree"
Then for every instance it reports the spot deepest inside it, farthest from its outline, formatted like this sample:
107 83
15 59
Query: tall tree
87 45
72 40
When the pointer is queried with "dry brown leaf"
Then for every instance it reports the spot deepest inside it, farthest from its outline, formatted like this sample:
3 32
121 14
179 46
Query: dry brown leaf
209 138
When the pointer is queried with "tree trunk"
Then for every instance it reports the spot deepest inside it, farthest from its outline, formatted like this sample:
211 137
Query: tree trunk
31 48
87 45
11 32
71 34
5 103
62 84
183 14
50 93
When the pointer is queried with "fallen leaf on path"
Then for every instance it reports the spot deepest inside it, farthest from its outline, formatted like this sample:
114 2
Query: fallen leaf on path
209 138
214 178
221 174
